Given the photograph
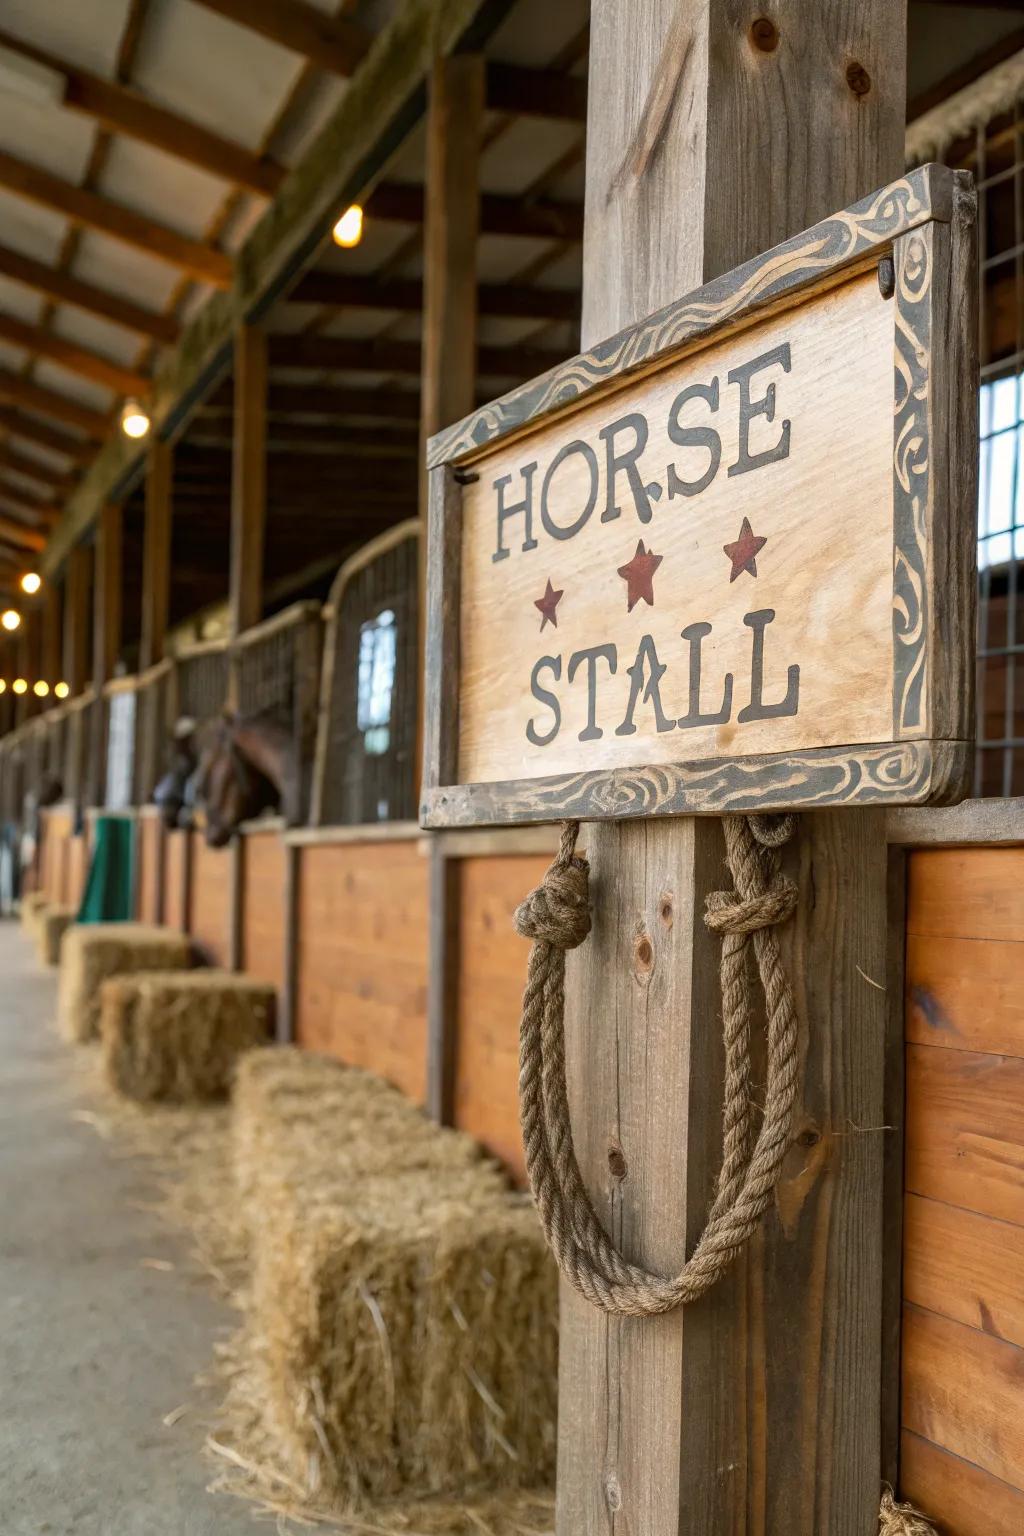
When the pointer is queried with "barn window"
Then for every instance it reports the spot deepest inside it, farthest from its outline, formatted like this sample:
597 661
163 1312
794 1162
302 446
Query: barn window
376 685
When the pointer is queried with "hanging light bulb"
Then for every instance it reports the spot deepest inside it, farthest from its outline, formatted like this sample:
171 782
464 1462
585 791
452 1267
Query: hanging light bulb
60 690
348 231
19 685
40 689
134 419
10 618
31 582
3 685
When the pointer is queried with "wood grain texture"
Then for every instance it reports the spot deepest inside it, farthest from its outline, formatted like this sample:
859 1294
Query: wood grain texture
210 906
963 1499
964 1390
965 1266
361 958
972 823
491 972
965 994
759 1409
967 894
965 1130
442 983
263 907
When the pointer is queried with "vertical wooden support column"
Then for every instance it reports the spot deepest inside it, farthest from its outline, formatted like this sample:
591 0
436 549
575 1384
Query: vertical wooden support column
51 637
248 479
106 636
448 389
757 1409
23 668
76 665
156 554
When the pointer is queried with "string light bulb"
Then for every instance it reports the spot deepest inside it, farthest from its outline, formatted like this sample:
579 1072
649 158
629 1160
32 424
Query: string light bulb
19 685
60 690
10 618
348 231
135 421
31 582
40 689
3 685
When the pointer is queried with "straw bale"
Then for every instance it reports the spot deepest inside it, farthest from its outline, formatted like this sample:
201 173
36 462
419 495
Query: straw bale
92 952
406 1329
32 904
51 925
177 1035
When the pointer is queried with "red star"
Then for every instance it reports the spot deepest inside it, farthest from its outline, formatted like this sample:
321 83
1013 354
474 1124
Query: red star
639 576
743 551
547 605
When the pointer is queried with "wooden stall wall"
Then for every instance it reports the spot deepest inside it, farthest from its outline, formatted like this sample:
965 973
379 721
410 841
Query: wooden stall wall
963 1328
361 954
176 879
149 871
210 902
491 972
56 830
264 906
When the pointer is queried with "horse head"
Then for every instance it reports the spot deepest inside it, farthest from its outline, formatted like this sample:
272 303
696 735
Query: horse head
234 782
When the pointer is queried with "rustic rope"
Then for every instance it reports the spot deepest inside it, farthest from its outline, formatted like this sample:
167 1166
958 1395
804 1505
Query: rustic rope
556 917
901 1519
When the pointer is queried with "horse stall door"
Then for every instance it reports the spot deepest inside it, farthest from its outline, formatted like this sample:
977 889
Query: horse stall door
150 832
264 877
962 1408
210 903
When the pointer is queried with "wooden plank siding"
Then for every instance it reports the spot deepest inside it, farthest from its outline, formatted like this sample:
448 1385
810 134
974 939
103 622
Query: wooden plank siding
361 961
76 868
176 879
962 1409
491 976
264 875
149 870
210 903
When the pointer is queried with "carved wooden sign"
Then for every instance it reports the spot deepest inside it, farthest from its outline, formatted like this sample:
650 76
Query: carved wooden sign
725 561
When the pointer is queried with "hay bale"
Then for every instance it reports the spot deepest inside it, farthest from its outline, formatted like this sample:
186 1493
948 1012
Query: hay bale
406 1333
92 952
298 1118
32 904
51 925
177 1035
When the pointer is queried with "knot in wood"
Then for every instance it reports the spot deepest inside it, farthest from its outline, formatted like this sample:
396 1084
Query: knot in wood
558 911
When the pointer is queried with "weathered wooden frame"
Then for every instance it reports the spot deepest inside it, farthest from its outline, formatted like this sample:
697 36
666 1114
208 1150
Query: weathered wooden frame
920 233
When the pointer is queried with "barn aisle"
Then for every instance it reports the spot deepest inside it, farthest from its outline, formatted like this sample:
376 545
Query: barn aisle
96 1346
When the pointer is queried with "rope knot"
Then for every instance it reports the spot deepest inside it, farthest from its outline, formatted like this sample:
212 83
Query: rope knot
728 912
558 911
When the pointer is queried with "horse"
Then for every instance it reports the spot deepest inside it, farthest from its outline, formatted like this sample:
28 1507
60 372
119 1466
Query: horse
174 794
247 767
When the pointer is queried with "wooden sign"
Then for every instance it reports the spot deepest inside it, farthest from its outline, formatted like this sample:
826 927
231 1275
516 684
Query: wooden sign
726 560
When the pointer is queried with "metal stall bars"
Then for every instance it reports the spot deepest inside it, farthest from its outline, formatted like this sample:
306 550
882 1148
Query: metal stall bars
277 674
365 769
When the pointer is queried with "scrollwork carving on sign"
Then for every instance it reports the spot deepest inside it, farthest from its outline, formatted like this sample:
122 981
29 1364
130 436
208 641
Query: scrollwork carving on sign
912 488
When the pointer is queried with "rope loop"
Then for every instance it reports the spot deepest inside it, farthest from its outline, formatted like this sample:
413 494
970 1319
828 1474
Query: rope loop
557 918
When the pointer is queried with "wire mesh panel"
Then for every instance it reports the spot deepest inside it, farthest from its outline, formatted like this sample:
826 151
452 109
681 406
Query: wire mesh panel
994 152
120 715
202 680
277 674
365 769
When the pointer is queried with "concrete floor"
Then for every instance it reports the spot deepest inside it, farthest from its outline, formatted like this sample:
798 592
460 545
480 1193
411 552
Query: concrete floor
95 1348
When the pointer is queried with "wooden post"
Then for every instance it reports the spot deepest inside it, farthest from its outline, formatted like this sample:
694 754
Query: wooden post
106 637
448 389
51 640
156 556
713 133
76 619
248 479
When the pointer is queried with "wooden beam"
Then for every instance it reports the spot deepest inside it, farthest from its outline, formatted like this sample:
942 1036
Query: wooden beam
343 354
17 391
13 499
77 578
43 474
107 597
339 290
90 211
248 479
20 535
62 288
536 93
51 624
156 556
326 400
76 359
757 1408
122 109
397 202
52 438
331 42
